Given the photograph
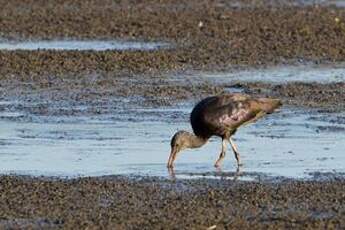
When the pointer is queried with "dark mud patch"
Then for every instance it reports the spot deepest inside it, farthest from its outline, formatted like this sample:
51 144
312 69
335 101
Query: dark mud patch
154 203
330 128
326 176
332 119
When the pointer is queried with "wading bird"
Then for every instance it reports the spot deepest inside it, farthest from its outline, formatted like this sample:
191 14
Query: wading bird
221 116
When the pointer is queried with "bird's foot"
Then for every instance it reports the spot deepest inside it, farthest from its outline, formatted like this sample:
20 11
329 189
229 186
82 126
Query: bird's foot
217 165
171 172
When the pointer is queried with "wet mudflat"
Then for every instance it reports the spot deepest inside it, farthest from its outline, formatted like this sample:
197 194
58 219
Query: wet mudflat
284 181
58 129
95 112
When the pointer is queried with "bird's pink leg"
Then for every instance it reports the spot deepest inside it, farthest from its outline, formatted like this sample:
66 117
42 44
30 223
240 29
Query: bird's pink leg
172 158
234 148
172 173
221 155
169 165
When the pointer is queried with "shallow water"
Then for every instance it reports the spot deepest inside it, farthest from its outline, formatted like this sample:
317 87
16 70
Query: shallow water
282 74
291 143
82 45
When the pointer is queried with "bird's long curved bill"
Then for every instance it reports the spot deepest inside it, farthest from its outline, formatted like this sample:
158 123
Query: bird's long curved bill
172 157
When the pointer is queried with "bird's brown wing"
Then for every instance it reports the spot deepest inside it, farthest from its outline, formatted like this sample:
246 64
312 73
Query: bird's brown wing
239 114
258 115
232 115
218 115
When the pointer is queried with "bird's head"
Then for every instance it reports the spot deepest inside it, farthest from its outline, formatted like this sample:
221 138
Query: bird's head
178 142
269 105
182 140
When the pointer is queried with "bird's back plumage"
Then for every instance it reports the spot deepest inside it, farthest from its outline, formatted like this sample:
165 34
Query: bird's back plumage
222 115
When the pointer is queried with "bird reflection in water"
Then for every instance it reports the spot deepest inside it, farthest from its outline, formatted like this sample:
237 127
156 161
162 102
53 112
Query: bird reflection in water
218 174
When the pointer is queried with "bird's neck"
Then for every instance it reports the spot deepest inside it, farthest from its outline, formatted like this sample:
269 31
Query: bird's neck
196 141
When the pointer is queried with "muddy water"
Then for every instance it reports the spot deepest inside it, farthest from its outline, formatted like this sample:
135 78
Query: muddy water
291 143
81 45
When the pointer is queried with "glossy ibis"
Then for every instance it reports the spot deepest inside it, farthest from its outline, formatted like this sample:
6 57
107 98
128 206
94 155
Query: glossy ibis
221 116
